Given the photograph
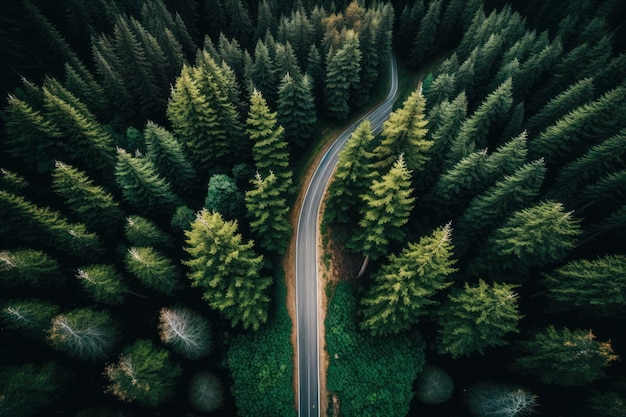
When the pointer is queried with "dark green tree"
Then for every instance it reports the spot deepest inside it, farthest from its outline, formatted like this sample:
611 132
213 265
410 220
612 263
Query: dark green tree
262 73
140 231
296 109
86 334
224 197
205 392
91 203
384 209
434 385
141 185
565 357
31 317
103 283
268 211
478 317
342 76
425 41
144 374
405 133
352 177
592 287
23 268
227 270
405 287
154 270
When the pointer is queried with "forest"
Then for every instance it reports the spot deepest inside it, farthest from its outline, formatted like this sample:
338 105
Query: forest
151 156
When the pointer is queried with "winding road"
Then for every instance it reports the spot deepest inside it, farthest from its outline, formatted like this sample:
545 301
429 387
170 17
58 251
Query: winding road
307 289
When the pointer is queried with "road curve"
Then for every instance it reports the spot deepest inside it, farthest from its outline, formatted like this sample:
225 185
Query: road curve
307 295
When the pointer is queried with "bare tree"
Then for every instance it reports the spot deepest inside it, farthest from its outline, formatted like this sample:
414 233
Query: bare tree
186 331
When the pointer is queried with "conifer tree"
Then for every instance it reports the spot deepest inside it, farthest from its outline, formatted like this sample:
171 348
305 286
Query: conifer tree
186 331
153 270
384 209
25 268
285 62
593 287
12 182
270 149
492 207
474 132
31 317
342 76
168 155
404 288
103 283
606 191
262 72
315 69
224 197
141 185
144 374
240 26
81 83
536 236
89 202
565 357
227 270
352 177
268 211
266 22
405 133
296 109
108 67
86 334
425 41
441 89
478 317
140 231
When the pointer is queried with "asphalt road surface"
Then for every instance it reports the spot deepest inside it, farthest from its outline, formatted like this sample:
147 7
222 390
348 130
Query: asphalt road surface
307 307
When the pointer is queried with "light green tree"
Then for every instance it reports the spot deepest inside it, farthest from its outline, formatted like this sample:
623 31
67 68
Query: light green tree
141 231
23 268
153 269
103 283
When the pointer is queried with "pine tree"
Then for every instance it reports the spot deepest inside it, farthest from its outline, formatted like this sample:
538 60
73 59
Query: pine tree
296 109
342 76
186 331
89 202
224 197
227 270
491 208
31 317
144 374
268 212
565 357
168 155
81 83
262 72
153 270
441 89
140 231
103 283
141 185
403 289
285 62
25 268
12 182
474 132
425 41
384 209
109 68
607 192
592 287
352 176
270 149
405 133
240 26
86 334
478 317
266 22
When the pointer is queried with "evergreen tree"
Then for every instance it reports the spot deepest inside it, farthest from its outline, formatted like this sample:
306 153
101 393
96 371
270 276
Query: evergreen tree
144 374
266 22
86 334
571 135
168 155
478 317
153 270
296 109
12 181
270 149
342 76
89 202
140 231
474 132
425 41
227 270
285 62
108 67
103 283
384 209
493 206
23 268
141 185
404 288
606 192
441 89
262 72
592 287
29 389
240 23
186 331
80 82
565 357
224 197
268 212
405 133
31 317
315 69
352 176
